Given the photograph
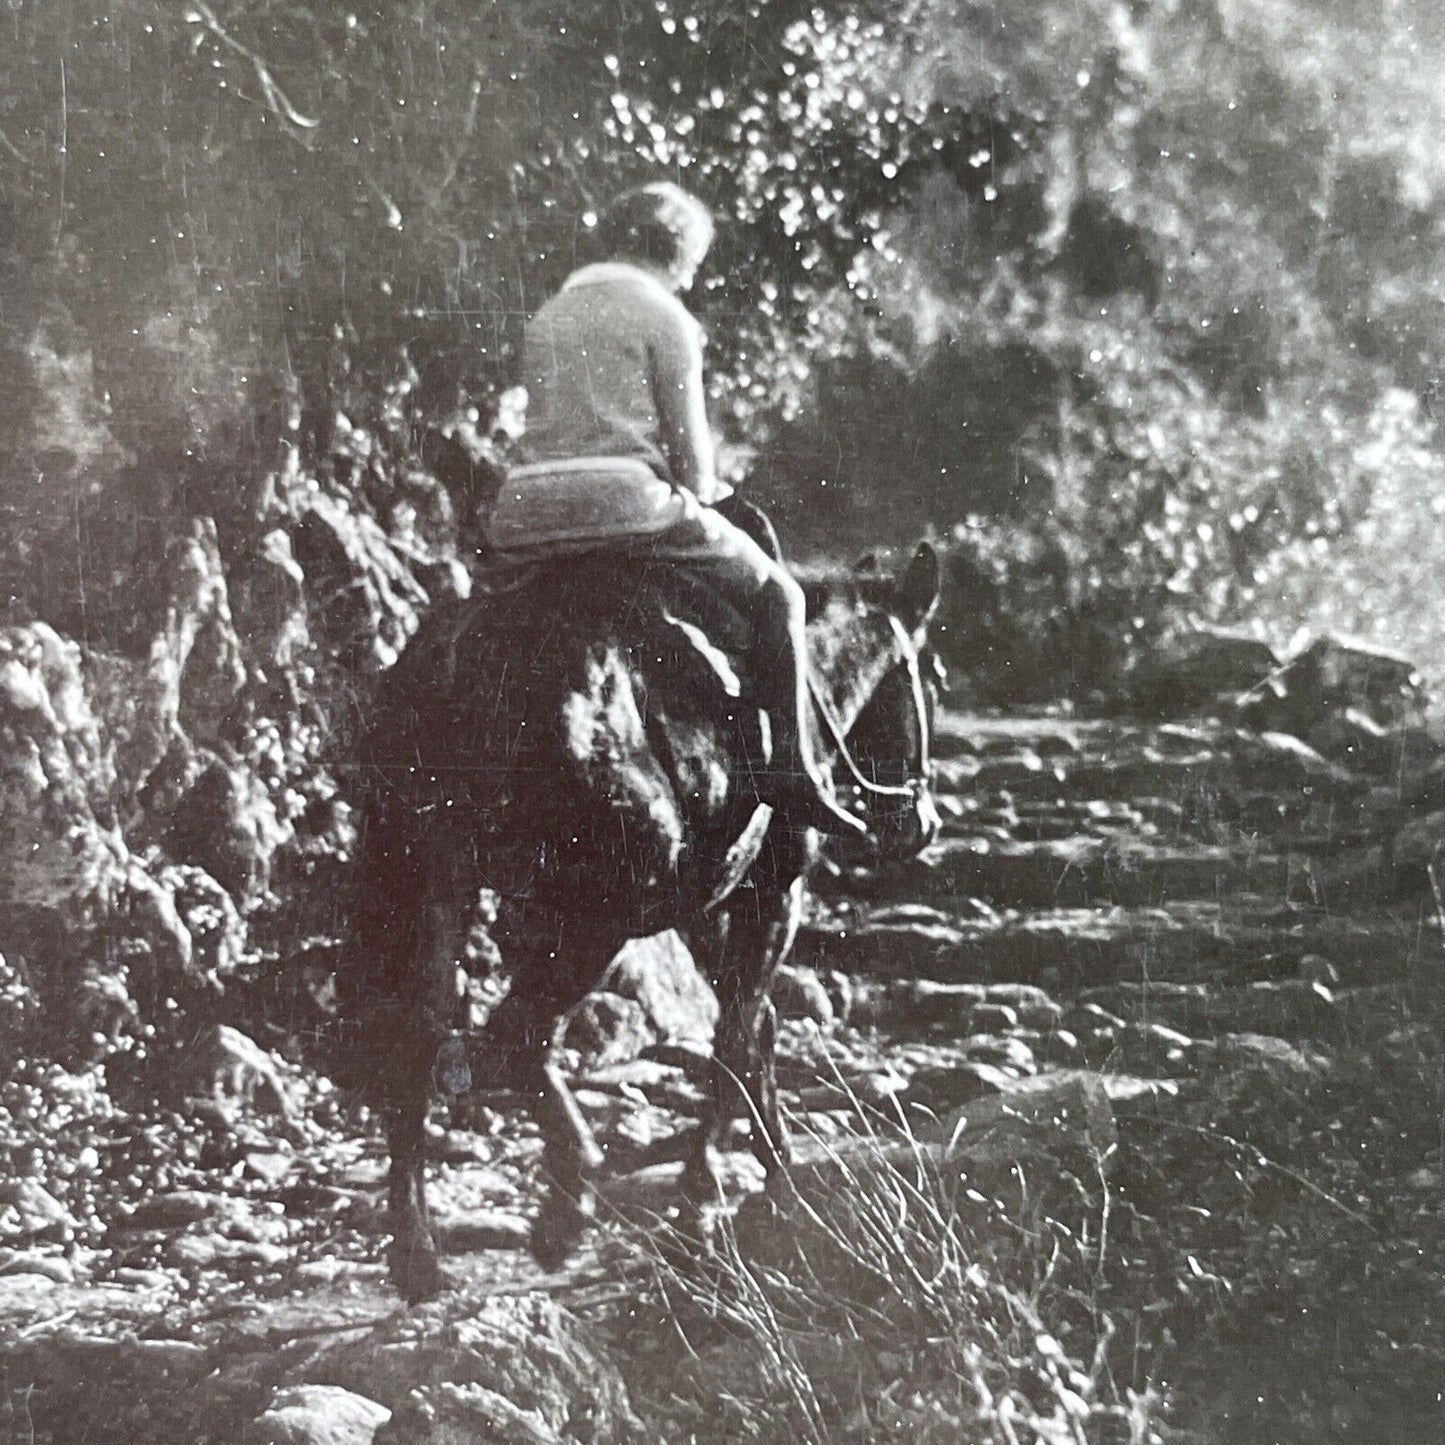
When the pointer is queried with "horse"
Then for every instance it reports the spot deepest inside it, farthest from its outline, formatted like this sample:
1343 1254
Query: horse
566 753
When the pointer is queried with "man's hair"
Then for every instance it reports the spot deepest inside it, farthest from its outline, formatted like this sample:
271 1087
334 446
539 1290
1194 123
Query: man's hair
660 223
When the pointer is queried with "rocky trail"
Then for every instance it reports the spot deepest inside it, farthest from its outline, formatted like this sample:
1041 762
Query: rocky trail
1196 922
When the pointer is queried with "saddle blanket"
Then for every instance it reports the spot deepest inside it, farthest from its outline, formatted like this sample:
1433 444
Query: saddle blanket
581 500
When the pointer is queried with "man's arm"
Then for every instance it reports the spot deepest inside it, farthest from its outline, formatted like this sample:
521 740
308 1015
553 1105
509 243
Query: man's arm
682 407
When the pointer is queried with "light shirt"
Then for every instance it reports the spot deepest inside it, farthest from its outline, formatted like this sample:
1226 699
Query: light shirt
616 414
613 367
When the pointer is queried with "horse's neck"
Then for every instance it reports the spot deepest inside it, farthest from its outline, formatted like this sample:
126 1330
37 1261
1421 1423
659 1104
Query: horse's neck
846 661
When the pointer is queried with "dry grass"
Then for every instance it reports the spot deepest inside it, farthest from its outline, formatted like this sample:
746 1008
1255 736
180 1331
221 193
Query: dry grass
1259 1261
880 1299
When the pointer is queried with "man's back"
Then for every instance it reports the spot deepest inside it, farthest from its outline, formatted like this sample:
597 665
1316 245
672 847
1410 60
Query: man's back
594 360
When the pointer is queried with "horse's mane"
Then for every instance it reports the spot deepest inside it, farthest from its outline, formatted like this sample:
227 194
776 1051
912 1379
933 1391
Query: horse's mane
829 584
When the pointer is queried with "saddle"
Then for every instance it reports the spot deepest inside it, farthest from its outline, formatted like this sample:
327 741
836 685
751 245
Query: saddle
660 606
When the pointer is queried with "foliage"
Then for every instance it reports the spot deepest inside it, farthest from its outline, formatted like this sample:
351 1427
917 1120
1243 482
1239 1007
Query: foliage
1136 278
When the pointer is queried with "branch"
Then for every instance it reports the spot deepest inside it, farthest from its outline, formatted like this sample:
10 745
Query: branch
276 99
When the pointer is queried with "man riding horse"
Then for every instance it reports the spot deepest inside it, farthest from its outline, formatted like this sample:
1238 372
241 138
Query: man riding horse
567 748
617 450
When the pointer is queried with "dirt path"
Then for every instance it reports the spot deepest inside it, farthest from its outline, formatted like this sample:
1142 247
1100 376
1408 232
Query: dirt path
1144 903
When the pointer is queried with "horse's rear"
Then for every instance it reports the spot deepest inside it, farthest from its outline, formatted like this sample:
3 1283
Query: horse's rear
568 756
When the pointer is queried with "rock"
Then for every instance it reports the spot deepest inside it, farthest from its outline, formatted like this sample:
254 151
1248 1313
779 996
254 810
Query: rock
659 974
1283 1061
1192 669
480 1229
606 1028
941 1089
840 994
1033 1119
1416 848
1315 968
227 1065
1280 762
271 1168
996 1017
269 595
56 856
1043 1117
318 1415
1333 675
48 1266
799 993
226 824
330 1271
925 1001
29 1211
374 603
144 1278
210 1251
1003 1052
1003 1151
525 1350
179 1208
462 1415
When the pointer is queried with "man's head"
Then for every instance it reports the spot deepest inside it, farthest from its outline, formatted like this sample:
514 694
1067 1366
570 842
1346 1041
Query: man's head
660 226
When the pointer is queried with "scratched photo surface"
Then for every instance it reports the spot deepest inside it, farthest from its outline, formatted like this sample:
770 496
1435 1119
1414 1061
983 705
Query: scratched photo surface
719 721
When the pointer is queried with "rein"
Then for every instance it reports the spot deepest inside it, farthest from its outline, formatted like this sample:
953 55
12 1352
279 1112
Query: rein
838 735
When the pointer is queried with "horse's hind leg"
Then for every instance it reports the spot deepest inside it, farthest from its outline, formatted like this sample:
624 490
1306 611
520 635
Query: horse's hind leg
435 938
554 970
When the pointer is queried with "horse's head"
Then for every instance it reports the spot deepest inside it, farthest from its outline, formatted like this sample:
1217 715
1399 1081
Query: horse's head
869 644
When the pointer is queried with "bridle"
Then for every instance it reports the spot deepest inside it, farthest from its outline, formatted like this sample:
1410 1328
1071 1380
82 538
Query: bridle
889 799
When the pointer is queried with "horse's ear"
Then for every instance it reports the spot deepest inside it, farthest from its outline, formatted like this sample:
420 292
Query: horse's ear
915 593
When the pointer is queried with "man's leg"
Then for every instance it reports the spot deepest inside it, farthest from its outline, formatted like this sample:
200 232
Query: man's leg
777 664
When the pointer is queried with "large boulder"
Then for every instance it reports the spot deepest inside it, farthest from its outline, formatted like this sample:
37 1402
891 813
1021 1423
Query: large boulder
510 1364
464 1415
659 974
1190 670
1333 675
318 1415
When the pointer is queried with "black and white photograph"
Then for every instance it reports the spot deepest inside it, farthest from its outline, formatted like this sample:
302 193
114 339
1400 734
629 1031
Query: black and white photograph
722 722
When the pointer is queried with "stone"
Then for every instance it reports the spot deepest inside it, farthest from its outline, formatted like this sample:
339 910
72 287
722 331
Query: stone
1002 1051
227 1065
524 1349
659 974
178 1208
1282 1060
799 993
1417 847
226 824
480 1229
941 1089
374 602
840 994
606 1028
1331 675
1316 968
1037 1119
213 1251
269 1167
48 1266
1027 1120
462 1415
30 1211
1356 740
1191 669
318 1415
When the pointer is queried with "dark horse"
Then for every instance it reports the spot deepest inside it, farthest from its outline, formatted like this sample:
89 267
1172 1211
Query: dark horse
565 753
